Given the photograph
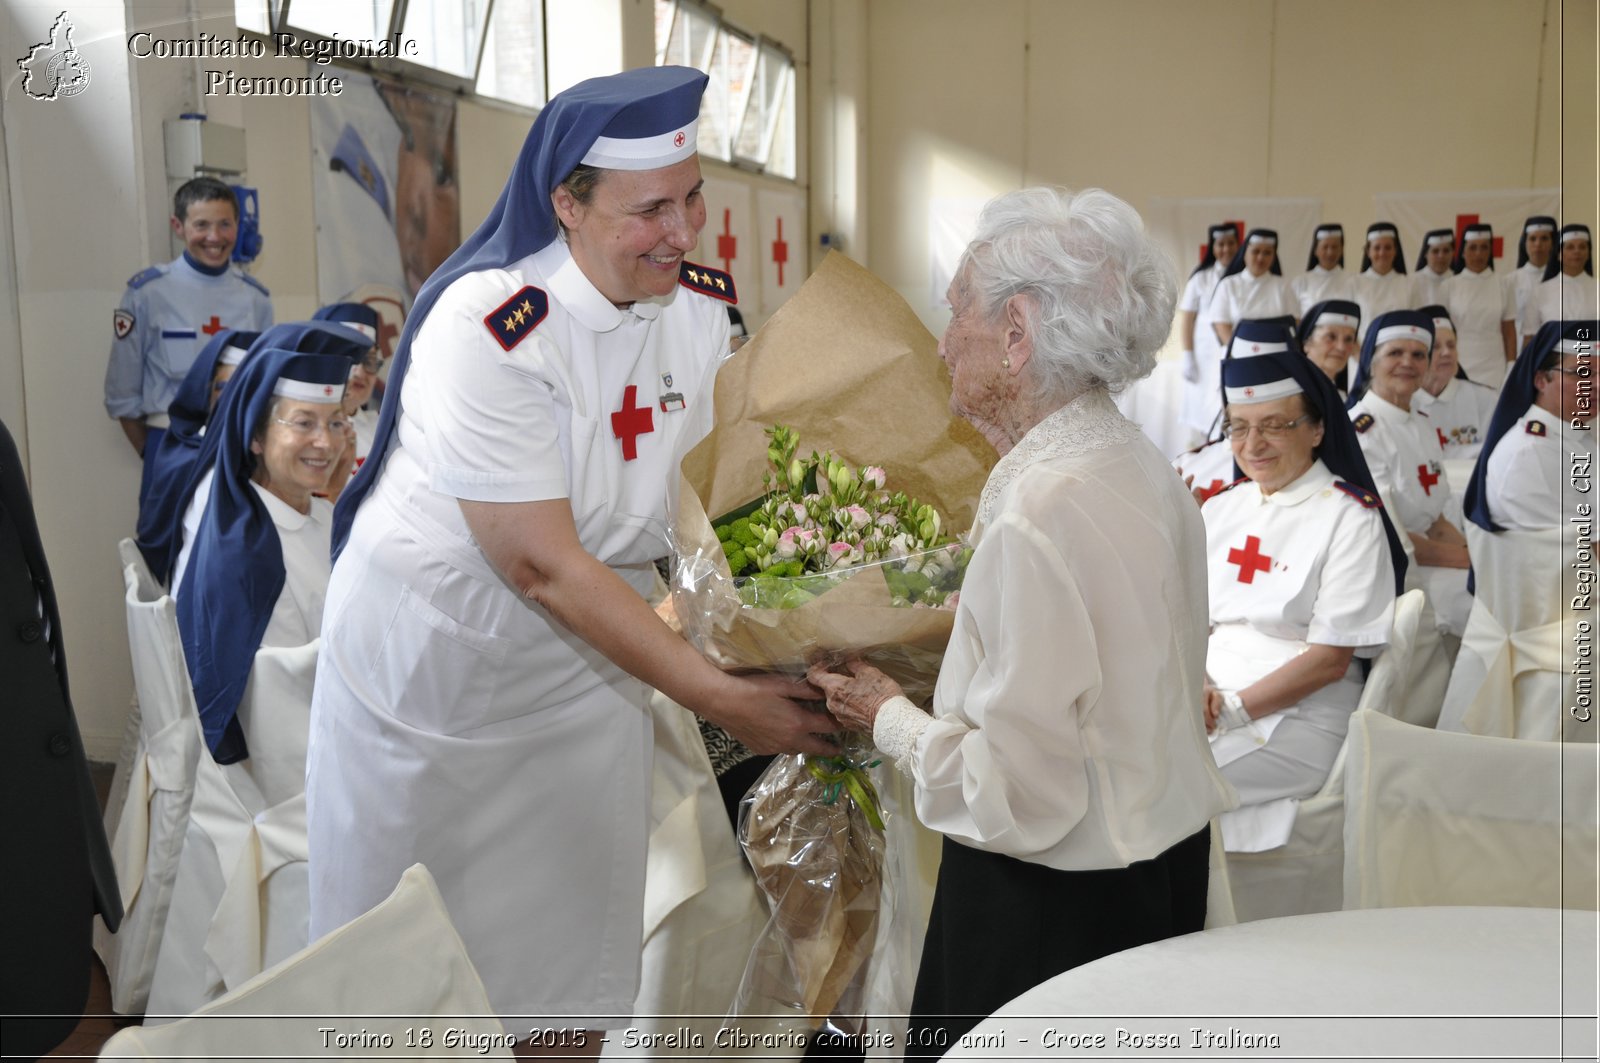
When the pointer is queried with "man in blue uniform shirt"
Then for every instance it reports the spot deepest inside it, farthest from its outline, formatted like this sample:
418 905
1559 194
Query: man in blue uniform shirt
171 310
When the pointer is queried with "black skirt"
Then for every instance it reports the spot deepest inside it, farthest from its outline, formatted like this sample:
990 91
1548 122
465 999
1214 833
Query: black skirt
1000 926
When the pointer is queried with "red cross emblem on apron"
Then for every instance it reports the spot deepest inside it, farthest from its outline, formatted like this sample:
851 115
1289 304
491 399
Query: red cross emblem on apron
631 422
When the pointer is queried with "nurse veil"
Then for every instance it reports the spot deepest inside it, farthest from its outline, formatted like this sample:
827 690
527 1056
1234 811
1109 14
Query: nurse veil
236 571
583 124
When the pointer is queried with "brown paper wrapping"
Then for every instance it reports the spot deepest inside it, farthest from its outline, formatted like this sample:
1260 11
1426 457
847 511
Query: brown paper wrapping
847 364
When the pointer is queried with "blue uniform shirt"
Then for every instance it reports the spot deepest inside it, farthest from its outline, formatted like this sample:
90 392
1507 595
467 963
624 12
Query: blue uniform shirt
168 313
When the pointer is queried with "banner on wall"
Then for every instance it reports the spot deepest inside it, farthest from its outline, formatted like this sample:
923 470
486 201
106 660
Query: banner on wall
728 241
385 195
1180 225
1414 213
781 222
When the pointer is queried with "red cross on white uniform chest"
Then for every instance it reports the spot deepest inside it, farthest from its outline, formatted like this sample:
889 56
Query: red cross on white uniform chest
631 422
1250 559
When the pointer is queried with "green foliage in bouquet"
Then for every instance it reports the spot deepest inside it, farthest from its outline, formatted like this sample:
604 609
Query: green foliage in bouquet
821 516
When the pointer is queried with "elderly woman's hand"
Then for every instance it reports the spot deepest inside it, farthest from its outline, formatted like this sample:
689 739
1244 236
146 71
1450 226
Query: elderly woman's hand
1213 707
855 699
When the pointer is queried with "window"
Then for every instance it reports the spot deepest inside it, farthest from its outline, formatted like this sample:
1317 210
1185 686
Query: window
748 113
493 48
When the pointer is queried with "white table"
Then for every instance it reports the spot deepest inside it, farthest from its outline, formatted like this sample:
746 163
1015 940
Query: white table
1451 983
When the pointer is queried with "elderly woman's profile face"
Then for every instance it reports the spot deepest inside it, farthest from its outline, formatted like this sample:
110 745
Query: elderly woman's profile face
972 349
630 238
1273 442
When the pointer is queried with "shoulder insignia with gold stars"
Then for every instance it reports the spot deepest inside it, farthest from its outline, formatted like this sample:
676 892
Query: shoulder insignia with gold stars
1363 422
707 281
513 320
1537 428
1367 499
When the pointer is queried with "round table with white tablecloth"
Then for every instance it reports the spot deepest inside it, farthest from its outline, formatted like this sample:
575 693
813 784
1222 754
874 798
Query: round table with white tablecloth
1450 983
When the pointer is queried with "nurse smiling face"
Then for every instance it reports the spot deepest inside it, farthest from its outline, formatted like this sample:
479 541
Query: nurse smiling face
1398 367
1381 249
629 229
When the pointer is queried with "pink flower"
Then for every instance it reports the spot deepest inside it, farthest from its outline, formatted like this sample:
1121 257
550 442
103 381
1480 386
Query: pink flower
874 477
842 554
853 517
787 546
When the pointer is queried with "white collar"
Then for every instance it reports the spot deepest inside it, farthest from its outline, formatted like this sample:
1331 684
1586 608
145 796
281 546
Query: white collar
1087 423
578 296
1384 409
282 513
1304 486
1326 272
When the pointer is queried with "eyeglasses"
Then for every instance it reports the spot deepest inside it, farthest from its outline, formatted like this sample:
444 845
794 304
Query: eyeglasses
372 363
1268 429
307 427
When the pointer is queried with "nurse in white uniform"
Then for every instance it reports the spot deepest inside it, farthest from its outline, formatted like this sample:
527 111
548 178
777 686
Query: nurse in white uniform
1568 291
363 375
1483 309
1202 354
1458 406
1406 458
1543 418
1209 468
1533 255
1433 266
481 696
1325 277
1303 569
1383 285
258 570
1252 287
1329 330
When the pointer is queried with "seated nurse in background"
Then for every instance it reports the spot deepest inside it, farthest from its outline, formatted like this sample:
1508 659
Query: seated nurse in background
1523 469
259 567
1406 457
1458 406
1303 566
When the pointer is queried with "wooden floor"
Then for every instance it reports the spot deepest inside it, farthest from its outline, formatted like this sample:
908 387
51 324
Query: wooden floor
98 1022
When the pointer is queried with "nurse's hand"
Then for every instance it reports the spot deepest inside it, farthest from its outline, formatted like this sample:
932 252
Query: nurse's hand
762 712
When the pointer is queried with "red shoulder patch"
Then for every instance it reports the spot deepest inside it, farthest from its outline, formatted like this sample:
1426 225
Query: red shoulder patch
513 320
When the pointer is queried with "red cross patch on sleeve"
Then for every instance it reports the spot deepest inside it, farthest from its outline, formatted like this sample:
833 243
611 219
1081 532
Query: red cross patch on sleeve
707 281
1536 428
513 320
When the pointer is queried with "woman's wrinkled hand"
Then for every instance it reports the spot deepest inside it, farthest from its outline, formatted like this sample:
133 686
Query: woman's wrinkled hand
1213 707
854 700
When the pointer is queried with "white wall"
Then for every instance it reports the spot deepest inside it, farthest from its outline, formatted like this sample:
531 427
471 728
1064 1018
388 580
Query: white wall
1338 99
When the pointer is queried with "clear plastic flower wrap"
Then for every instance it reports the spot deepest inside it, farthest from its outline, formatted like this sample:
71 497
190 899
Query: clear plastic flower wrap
812 829
846 365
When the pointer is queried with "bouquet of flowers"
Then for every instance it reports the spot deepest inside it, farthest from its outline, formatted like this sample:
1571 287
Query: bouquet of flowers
816 557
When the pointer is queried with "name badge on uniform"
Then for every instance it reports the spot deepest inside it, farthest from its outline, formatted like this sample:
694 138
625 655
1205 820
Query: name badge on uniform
670 400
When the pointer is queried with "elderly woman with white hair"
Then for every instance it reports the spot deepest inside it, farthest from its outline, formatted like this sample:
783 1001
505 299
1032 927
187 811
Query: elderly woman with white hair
1065 756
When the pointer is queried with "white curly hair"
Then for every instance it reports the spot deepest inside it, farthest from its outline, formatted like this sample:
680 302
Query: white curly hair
1099 292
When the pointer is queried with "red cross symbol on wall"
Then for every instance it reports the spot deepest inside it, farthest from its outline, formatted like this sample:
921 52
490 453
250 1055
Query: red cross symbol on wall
631 422
727 243
780 252
1464 220
212 327
1250 560
1427 478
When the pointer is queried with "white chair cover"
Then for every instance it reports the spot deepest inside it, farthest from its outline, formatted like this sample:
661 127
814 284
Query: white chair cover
1305 875
147 835
1435 818
1510 679
399 967
241 901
